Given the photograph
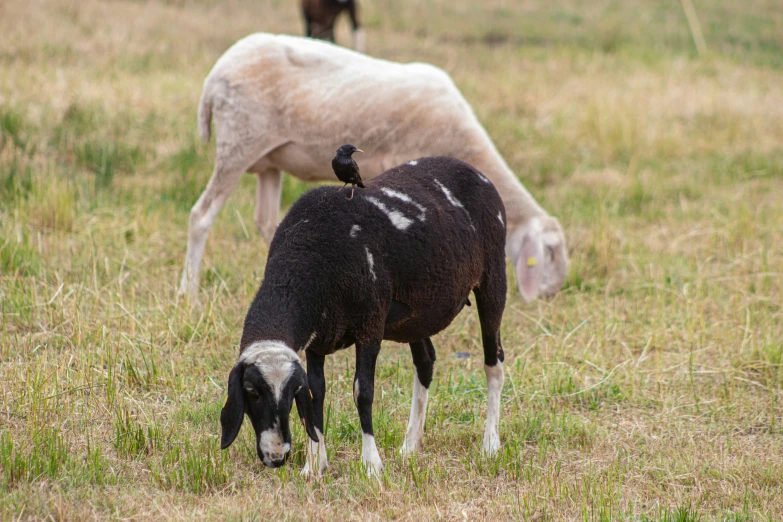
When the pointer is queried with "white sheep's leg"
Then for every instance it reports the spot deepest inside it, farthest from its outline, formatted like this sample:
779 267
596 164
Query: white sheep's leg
424 360
268 191
228 169
315 461
363 394
494 387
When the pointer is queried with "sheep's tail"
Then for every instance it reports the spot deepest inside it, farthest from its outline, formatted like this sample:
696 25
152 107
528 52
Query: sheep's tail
205 113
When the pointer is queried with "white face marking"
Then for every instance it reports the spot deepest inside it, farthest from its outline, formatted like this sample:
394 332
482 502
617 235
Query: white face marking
500 218
272 446
274 360
406 198
413 163
397 218
276 375
418 415
494 387
371 263
355 230
370 456
310 340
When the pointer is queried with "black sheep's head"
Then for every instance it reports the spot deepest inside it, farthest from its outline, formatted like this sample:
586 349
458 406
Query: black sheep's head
264 384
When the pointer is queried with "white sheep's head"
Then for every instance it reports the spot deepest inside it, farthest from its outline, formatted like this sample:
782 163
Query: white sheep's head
264 384
538 252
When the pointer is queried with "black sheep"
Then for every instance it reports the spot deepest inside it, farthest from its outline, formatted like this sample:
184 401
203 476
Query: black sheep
397 262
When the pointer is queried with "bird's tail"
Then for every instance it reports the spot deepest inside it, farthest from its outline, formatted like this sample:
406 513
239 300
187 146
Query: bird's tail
360 185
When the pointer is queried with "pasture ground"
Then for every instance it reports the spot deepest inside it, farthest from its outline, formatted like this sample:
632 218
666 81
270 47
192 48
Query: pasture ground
649 389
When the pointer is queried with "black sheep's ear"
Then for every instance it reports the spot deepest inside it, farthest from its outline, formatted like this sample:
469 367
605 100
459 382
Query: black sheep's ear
304 406
233 412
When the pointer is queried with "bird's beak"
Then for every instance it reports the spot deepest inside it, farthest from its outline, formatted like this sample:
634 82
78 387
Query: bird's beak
359 150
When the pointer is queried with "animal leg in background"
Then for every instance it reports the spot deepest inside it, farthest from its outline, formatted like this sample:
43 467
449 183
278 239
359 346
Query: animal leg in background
231 161
269 184
358 32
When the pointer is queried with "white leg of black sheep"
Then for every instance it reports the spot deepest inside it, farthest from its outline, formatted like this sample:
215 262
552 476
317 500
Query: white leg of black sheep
363 395
418 415
315 460
494 387
423 353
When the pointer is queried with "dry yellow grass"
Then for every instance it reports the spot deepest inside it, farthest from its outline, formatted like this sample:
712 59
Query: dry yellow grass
649 389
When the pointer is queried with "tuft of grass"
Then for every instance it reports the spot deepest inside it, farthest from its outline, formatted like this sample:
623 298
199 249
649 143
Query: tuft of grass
12 129
16 180
105 160
198 469
18 257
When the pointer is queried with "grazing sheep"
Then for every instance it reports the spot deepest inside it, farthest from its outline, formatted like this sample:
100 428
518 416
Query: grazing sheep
320 16
397 262
283 103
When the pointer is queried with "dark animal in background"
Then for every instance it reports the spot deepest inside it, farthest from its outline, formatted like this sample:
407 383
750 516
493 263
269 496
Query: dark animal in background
394 264
345 168
320 16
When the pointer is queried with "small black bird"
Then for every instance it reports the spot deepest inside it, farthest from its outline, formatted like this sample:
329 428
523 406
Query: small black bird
346 169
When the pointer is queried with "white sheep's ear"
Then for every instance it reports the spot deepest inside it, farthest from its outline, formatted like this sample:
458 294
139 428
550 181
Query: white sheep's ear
530 267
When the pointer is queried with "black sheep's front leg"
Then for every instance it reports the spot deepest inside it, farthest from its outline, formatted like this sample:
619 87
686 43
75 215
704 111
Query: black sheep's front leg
316 461
363 394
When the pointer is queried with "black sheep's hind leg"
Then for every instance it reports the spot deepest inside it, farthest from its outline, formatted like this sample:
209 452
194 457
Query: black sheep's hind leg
490 302
424 360
363 395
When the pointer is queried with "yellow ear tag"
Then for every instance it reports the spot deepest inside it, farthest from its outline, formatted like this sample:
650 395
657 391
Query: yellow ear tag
531 261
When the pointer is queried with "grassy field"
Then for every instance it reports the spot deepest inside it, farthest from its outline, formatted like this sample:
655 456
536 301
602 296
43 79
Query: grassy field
650 388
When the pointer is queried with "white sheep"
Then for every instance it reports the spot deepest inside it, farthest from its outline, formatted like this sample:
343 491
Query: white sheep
285 103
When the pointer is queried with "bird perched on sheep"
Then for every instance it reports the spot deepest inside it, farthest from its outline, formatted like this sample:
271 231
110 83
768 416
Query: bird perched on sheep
282 103
391 264
345 168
